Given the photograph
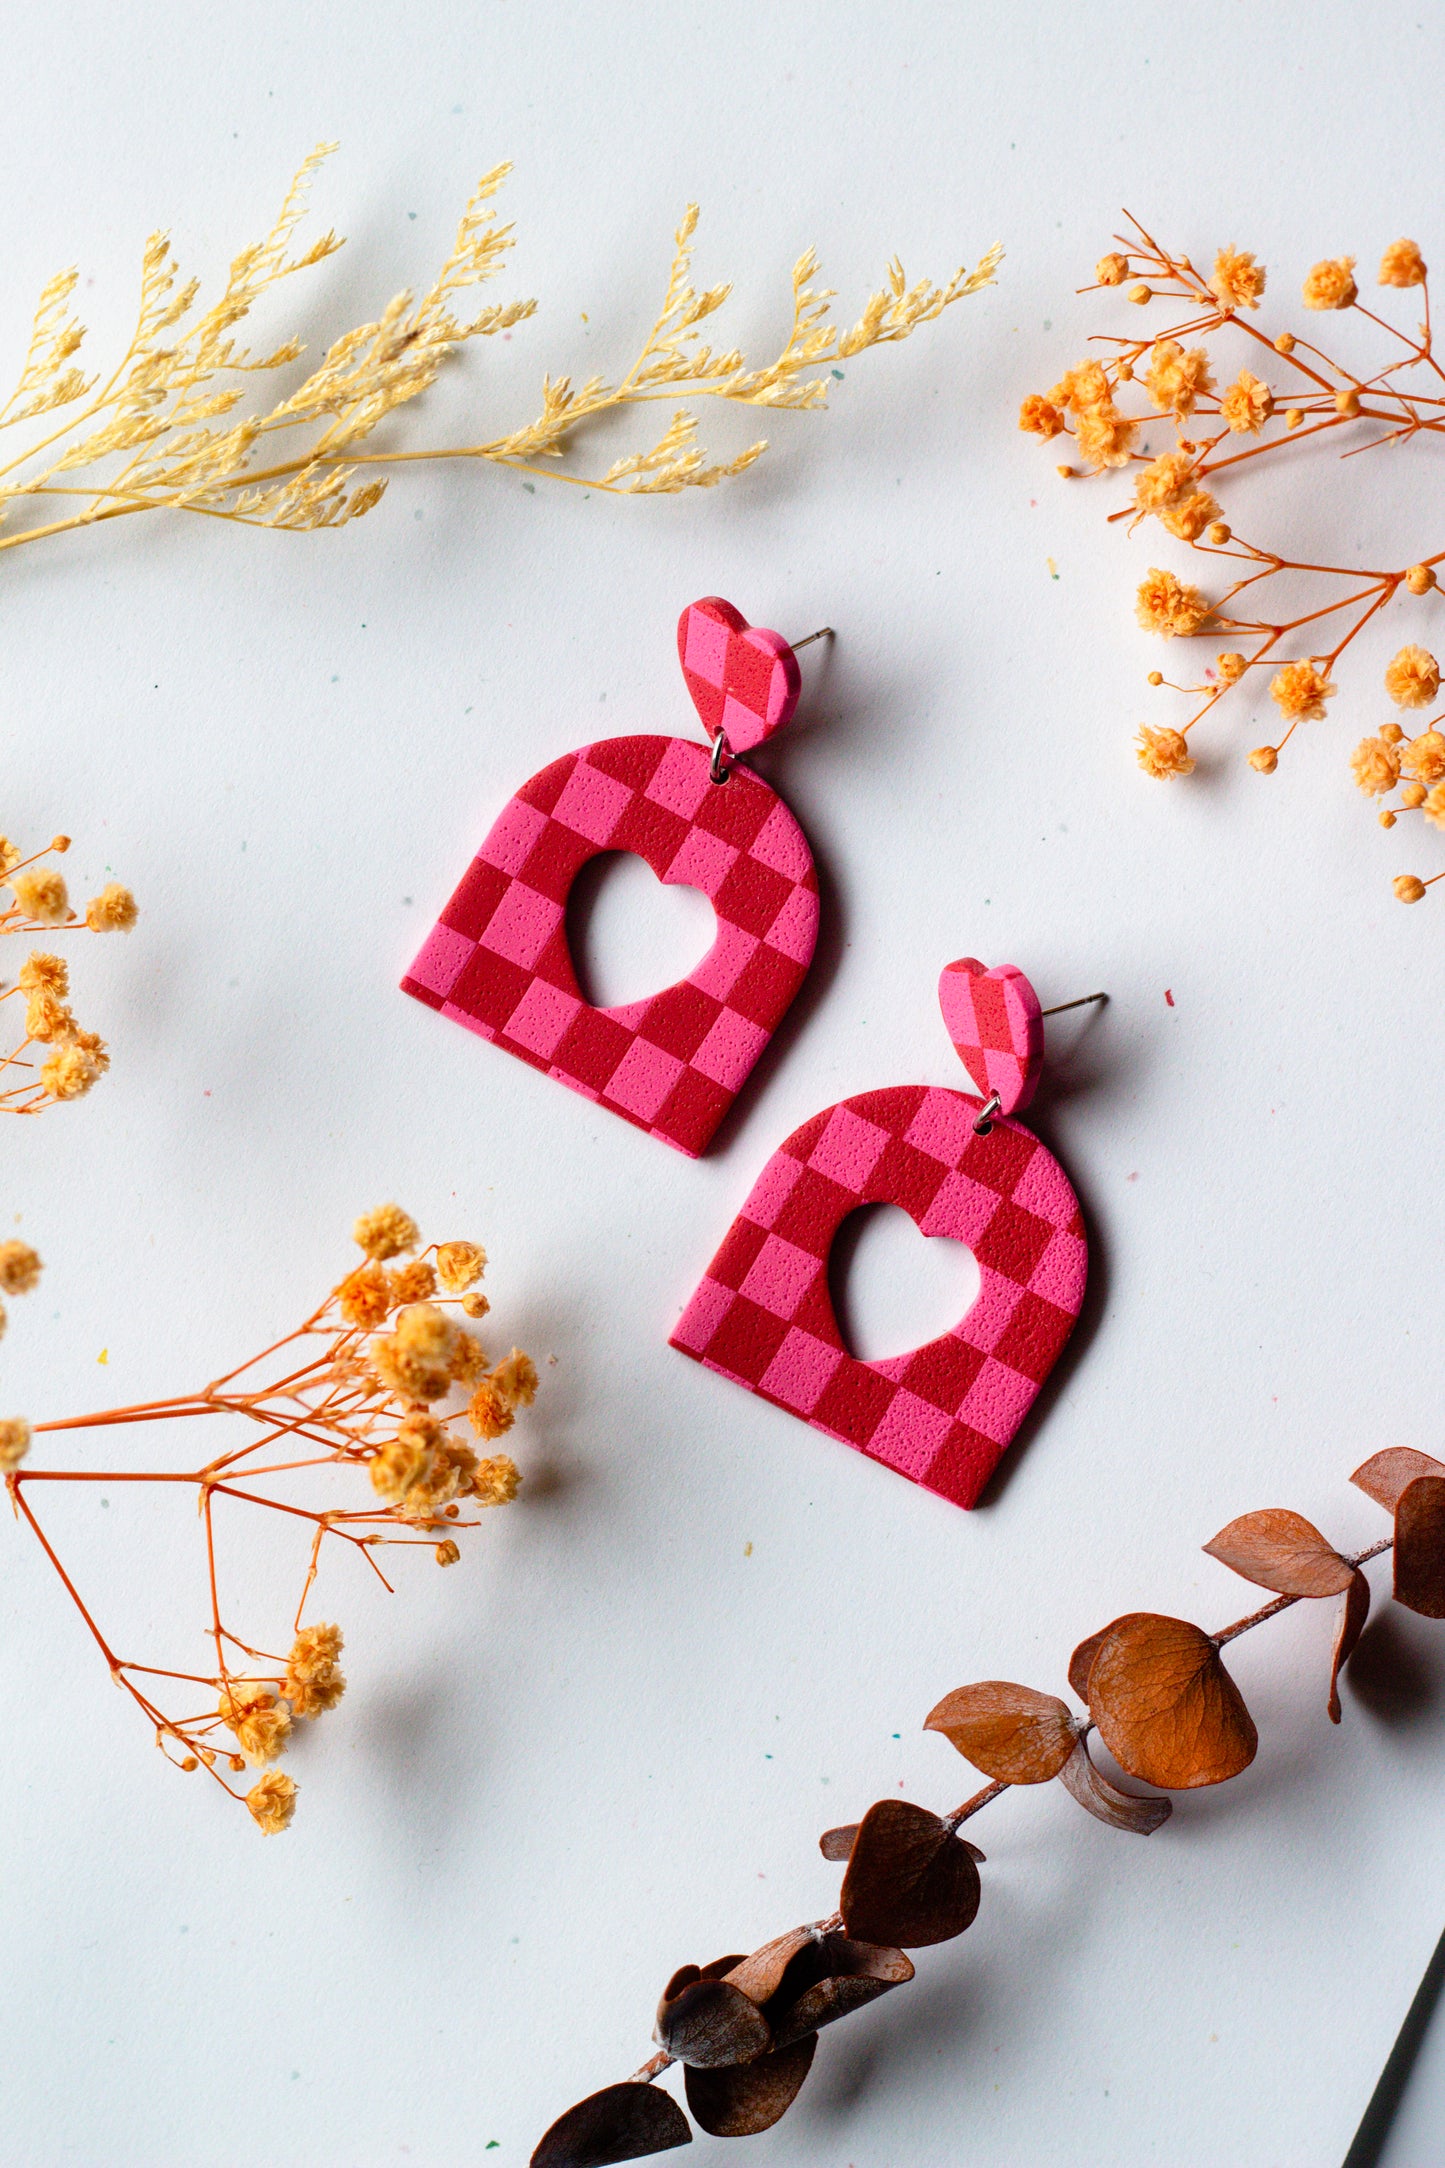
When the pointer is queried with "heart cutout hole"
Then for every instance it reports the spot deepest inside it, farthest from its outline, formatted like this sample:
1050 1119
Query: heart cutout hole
893 1288
631 934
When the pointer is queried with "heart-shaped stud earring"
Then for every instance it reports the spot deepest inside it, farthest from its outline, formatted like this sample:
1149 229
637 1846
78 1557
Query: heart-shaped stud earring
497 959
763 1315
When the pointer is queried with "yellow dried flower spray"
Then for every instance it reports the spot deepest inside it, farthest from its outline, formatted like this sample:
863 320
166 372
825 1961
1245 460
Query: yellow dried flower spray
331 1396
1289 399
54 1058
166 428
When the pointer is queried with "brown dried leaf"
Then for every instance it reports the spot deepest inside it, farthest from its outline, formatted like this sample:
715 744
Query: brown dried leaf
830 1980
1120 1810
1384 1475
1011 1733
837 1844
1352 1624
710 2023
910 1880
1278 1549
622 2122
761 1975
1420 1546
1081 1663
1166 1708
739 2103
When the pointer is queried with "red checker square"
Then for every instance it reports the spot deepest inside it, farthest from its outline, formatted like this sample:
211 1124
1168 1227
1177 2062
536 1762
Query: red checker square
1033 1337
680 1020
592 803
962 1465
738 816
746 1341
631 761
555 965
593 1046
652 832
751 895
554 861
814 1208
853 1402
1003 1155
1013 1242
488 989
780 1276
734 1261
849 1149
764 987
943 1371
691 1111
547 785
477 894
908 1178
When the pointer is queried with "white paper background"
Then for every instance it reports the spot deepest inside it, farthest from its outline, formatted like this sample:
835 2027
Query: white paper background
607 1742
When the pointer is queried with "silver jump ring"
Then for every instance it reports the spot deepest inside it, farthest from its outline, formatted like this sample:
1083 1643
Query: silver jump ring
719 768
986 1113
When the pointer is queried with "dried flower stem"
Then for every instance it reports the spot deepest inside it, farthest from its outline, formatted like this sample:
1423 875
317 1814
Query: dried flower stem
1219 431
356 1399
161 430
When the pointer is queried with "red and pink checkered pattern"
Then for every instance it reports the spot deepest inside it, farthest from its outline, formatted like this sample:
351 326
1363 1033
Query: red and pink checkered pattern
944 1414
997 1028
744 680
497 959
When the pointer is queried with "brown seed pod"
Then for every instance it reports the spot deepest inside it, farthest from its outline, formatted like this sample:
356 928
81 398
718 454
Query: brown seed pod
1012 1733
1281 1550
750 2097
1166 1708
622 2122
910 1880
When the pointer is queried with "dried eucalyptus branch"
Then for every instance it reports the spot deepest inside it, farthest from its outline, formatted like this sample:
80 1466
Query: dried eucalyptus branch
1310 400
162 430
337 1394
1157 1693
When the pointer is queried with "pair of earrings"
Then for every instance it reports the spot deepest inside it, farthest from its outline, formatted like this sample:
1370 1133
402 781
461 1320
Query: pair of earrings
961 1165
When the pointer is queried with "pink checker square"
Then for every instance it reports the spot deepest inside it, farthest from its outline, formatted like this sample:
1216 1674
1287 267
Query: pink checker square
772 1189
941 1127
776 844
681 782
522 924
730 1049
1039 1189
705 646
799 1371
541 1017
643 1078
794 932
779 1276
439 963
997 1401
725 962
706 1311
849 1149
703 861
592 803
513 833
993 1308
909 1435
961 1207
1060 1273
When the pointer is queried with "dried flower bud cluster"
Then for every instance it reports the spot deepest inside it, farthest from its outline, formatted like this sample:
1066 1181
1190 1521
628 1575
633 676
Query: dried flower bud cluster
1157 1692
360 1385
76 1058
1236 412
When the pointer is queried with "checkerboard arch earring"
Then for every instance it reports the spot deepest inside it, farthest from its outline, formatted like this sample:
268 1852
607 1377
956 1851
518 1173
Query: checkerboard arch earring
960 1165
498 960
